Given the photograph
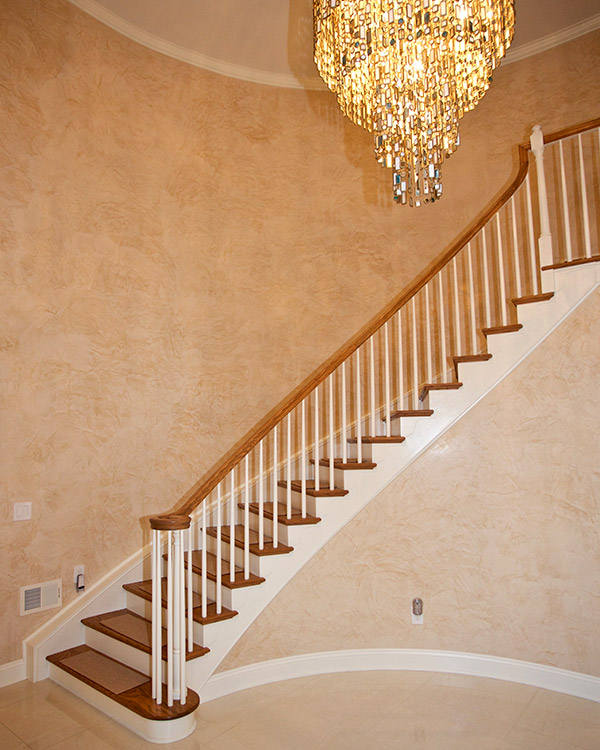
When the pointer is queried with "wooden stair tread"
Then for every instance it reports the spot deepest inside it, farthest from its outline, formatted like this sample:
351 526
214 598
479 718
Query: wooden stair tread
576 262
121 683
253 538
438 387
411 413
296 486
143 589
484 357
374 439
296 515
211 571
351 464
533 298
512 328
134 630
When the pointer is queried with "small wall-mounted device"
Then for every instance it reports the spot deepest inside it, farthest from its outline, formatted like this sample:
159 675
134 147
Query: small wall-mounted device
417 611
79 578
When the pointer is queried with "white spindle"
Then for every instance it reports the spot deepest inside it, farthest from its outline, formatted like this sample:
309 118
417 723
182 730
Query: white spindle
532 250
204 562
303 456
516 253
442 307
501 271
261 496
428 336
317 450
372 384
180 651
400 363
415 354
219 561
587 238
565 202
190 592
457 325
486 282
331 436
358 410
289 468
170 665
275 490
247 517
388 406
344 425
156 617
472 302
232 515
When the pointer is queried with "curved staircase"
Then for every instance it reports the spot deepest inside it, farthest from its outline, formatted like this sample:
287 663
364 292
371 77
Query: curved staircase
319 458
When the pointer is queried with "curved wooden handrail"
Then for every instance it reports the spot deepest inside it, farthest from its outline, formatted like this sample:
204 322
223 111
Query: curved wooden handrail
231 459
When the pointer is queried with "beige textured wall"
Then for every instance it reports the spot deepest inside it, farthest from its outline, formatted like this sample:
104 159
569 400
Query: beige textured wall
179 250
496 527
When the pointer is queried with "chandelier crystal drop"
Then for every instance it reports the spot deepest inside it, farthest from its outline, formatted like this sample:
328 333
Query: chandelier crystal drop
407 72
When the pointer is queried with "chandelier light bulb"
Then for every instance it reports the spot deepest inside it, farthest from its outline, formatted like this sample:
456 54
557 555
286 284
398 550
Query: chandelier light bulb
408 72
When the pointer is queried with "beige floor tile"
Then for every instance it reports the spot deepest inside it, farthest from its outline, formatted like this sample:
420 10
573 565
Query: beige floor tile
521 739
43 720
226 742
10 741
21 690
232 709
565 718
504 701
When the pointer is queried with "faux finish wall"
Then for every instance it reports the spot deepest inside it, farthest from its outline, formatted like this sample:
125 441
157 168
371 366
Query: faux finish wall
179 250
496 527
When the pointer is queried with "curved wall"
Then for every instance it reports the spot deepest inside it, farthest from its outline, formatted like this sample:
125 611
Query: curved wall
179 250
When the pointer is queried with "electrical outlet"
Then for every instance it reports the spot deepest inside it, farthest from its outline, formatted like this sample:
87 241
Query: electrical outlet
79 577
21 511
416 610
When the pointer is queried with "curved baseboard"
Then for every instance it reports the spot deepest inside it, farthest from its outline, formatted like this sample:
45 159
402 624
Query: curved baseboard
363 660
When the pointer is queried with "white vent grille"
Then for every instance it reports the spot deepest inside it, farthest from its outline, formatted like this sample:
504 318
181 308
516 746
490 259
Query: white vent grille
41 596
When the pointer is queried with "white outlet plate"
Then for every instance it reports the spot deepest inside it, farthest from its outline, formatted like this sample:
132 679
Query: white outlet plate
79 570
22 511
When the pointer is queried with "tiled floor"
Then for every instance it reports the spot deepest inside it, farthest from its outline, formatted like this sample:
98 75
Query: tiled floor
351 711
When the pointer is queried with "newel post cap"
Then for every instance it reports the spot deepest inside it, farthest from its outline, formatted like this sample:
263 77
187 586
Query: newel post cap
170 522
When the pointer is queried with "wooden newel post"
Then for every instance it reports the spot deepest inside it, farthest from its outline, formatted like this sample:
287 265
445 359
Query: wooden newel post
545 239
174 525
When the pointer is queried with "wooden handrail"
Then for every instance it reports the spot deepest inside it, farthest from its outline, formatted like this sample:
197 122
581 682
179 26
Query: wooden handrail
231 459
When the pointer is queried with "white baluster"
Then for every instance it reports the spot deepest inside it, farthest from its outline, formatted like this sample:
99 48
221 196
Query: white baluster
372 384
400 363
170 666
190 592
587 238
331 436
415 354
358 410
180 651
289 468
501 271
156 616
535 271
344 425
261 497
486 282
219 561
565 203
388 406
428 336
516 254
457 325
275 490
303 456
472 302
232 515
442 307
317 450
204 562
247 517
545 241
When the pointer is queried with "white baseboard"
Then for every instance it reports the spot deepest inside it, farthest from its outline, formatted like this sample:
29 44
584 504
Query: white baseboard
362 660
12 672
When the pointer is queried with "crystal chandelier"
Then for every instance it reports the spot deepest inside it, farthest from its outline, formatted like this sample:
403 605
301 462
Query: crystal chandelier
408 71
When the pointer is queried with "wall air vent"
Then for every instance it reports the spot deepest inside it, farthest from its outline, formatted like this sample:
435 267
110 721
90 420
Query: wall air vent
41 596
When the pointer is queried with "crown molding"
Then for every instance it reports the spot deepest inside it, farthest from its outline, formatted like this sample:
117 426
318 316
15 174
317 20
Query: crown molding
286 80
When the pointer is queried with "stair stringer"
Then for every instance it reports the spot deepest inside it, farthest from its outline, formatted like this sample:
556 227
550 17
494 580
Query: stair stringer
571 286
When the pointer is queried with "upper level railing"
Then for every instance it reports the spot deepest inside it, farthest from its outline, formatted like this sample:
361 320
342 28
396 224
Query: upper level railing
547 216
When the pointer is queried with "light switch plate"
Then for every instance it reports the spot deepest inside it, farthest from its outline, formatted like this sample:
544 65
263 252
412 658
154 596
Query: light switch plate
22 511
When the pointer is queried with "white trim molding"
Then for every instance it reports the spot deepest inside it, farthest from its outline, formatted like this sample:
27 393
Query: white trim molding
12 672
288 80
400 659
